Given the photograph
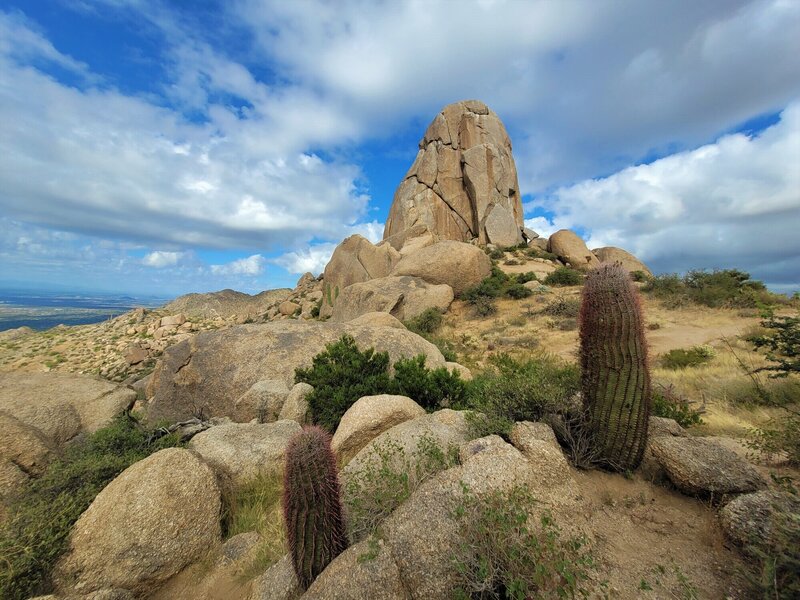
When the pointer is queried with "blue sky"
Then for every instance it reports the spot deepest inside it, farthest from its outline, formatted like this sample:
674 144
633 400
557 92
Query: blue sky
166 147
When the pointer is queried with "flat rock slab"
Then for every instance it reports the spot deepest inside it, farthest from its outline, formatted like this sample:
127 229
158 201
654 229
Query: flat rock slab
702 467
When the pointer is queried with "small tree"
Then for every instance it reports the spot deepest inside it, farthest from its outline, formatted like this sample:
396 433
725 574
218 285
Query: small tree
782 344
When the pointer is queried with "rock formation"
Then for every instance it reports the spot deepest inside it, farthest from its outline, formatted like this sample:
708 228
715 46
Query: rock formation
463 184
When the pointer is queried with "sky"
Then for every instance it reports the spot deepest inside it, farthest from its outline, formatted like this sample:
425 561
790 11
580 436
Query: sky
163 147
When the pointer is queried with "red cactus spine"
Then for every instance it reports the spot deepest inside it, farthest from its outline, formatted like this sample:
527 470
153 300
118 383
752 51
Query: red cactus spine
615 378
312 506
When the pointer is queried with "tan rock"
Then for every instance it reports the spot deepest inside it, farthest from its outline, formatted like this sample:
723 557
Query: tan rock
629 262
279 582
456 264
463 170
462 371
173 320
501 229
288 308
135 354
23 446
411 240
296 406
355 260
378 319
402 297
262 401
569 247
208 372
158 516
240 451
367 418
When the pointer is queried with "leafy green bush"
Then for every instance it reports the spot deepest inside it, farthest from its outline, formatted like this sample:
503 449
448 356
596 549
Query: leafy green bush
639 276
484 306
670 404
526 277
729 288
496 253
430 389
782 342
536 252
491 287
506 554
511 390
40 519
564 276
342 374
681 358
427 323
517 291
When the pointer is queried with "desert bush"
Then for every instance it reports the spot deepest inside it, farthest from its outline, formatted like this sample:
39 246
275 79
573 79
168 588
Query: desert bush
505 553
782 342
426 323
517 291
484 306
511 390
41 517
668 403
728 288
492 286
779 435
526 277
495 253
639 276
563 307
681 358
615 376
430 388
340 375
535 252
387 478
564 276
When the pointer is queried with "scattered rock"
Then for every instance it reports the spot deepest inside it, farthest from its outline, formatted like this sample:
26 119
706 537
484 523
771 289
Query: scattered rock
135 354
367 418
749 519
456 264
241 451
402 297
262 401
464 169
296 406
158 516
173 320
226 303
701 467
569 247
629 262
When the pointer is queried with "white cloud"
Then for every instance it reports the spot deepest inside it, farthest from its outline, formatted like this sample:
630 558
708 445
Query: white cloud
252 265
541 225
733 203
160 259
308 260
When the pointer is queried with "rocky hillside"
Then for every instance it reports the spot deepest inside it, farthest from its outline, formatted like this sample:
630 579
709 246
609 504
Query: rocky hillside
145 457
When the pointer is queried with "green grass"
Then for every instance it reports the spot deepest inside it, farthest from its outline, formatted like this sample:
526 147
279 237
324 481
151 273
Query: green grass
42 515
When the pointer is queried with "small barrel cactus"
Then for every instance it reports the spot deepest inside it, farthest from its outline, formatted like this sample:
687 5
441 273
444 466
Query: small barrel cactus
312 506
615 378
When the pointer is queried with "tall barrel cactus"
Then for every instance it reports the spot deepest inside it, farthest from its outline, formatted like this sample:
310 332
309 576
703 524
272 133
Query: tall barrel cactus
312 506
615 378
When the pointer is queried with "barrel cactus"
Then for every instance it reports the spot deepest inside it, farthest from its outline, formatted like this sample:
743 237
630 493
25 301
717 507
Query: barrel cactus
615 378
312 506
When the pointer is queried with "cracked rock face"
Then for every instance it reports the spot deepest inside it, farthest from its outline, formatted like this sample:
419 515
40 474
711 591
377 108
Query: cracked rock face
463 184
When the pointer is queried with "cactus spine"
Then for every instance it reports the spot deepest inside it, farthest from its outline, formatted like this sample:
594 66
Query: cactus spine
615 378
312 507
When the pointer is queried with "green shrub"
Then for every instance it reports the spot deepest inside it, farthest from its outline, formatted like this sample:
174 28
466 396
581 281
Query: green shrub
526 277
564 276
511 390
639 276
779 435
517 291
427 323
342 374
430 389
782 342
40 518
484 306
563 307
536 252
670 404
492 287
681 358
496 254
729 288
504 553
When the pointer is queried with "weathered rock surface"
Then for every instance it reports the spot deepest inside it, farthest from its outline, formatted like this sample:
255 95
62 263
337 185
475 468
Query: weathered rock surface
569 247
463 371
401 297
211 370
750 519
412 240
279 582
355 260
463 172
702 467
378 319
262 401
456 264
288 308
296 406
368 417
240 451
538 443
155 518
629 262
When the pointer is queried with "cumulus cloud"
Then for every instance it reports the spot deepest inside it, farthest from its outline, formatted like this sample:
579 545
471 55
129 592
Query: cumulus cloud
252 266
160 259
307 260
733 203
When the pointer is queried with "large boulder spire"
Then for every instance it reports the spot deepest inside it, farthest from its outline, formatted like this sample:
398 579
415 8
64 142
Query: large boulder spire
463 184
